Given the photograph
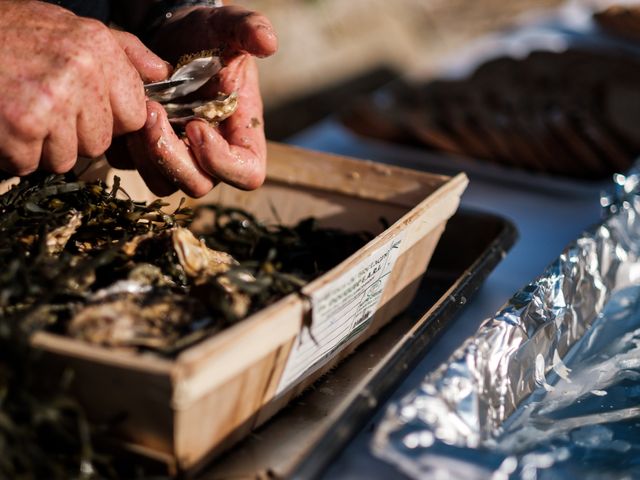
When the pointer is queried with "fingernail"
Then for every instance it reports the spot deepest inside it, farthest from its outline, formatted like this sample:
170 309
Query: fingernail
196 137
152 118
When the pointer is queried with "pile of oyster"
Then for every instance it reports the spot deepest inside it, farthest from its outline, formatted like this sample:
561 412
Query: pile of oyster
148 308
83 259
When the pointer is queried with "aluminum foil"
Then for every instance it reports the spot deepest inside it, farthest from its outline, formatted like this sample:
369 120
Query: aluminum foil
550 386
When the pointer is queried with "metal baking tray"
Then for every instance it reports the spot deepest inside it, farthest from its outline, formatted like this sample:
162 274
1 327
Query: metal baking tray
302 440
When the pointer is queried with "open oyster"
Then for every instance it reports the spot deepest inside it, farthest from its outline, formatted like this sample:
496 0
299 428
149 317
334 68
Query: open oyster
191 74
213 111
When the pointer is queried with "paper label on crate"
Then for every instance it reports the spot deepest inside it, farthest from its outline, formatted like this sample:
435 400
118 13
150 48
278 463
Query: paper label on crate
341 310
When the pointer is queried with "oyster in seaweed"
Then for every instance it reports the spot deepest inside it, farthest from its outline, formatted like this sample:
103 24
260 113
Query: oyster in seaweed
57 239
130 314
144 310
150 310
198 260
205 266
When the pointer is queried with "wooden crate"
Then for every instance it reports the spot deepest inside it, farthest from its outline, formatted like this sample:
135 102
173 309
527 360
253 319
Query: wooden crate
186 409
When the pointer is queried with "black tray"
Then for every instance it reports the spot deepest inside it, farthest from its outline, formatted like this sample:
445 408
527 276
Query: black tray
301 441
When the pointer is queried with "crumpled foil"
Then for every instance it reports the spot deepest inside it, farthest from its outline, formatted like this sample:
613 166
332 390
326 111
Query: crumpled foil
550 386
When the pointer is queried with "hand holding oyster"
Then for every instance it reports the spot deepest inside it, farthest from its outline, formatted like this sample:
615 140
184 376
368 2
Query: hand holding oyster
220 126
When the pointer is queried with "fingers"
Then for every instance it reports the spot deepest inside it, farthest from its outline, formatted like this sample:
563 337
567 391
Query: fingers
56 153
21 133
236 165
127 99
94 124
128 152
202 28
236 155
150 67
244 30
163 160
170 156
125 87
60 148
20 158
149 172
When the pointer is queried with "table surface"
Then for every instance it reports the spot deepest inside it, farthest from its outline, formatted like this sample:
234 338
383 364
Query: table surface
548 213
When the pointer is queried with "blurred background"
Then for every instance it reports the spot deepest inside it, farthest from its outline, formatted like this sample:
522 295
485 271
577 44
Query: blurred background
357 45
542 85
323 42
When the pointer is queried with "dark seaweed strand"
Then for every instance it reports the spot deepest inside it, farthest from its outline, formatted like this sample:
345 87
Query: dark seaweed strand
43 432
40 204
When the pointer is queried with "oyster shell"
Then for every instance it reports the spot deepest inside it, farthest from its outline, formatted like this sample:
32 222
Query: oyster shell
213 111
198 260
205 265
146 274
132 315
57 239
195 73
130 247
141 311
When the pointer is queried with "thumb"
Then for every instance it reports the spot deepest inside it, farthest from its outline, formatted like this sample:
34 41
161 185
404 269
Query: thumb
150 67
170 156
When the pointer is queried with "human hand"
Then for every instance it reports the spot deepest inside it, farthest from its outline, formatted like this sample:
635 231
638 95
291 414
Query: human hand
234 152
69 84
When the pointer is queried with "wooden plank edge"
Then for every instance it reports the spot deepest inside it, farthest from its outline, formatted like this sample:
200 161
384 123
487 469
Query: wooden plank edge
202 368
358 175
70 347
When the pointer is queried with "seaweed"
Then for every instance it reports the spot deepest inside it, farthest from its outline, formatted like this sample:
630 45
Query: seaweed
67 246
